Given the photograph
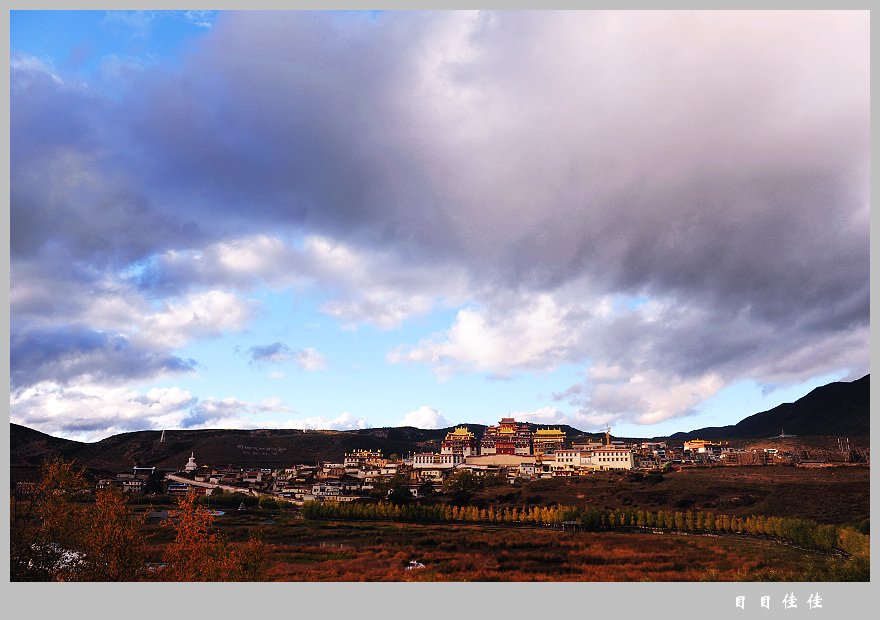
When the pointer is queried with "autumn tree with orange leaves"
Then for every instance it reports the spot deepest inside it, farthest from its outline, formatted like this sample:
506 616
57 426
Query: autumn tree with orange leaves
197 555
54 537
45 524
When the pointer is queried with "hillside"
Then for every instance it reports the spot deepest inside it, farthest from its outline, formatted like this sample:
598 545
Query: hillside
257 448
269 448
837 409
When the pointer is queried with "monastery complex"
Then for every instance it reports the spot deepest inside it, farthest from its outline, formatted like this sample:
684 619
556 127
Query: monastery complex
509 451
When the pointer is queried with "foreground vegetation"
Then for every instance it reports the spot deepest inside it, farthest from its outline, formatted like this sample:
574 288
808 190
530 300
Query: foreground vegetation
386 551
798 531
61 533
56 536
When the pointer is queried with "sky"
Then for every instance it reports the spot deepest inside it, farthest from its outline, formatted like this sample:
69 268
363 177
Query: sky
653 221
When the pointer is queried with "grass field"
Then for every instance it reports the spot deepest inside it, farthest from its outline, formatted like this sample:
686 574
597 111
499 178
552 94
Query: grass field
337 551
303 550
833 495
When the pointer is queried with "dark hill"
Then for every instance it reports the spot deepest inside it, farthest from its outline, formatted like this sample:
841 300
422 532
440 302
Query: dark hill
30 447
840 408
269 448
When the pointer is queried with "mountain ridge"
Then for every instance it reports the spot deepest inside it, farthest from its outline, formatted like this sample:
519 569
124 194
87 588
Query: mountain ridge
839 408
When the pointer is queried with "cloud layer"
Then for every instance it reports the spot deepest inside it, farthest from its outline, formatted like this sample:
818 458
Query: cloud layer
672 201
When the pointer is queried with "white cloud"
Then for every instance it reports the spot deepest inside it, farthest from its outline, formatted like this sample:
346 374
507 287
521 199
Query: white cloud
343 422
544 415
643 398
360 285
202 19
309 359
91 412
686 163
375 287
206 314
242 263
539 335
425 417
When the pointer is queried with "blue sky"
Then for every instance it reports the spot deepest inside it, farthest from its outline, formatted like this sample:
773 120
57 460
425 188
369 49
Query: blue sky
656 221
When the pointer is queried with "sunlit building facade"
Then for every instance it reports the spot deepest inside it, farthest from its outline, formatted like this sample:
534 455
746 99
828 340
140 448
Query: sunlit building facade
460 441
509 437
548 440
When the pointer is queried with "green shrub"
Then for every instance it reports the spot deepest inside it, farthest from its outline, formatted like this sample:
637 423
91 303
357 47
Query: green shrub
267 503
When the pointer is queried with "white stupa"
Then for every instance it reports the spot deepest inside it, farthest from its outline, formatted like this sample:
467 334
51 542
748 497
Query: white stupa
191 465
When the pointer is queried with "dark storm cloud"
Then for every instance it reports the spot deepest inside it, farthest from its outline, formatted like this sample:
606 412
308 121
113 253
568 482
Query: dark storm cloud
715 161
669 163
675 165
69 354
69 197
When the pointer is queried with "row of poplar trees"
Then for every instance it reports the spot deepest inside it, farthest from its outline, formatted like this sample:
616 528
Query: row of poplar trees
799 531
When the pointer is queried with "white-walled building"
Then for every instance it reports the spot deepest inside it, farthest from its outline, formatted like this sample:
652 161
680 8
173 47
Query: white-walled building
611 458
426 460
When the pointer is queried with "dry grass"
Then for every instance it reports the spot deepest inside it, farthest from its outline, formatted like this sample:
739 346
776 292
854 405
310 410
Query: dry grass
835 495
475 553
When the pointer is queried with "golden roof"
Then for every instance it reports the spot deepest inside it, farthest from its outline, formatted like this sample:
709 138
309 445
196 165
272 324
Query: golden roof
460 431
549 431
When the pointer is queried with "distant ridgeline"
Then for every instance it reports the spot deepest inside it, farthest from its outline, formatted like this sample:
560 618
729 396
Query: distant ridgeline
837 409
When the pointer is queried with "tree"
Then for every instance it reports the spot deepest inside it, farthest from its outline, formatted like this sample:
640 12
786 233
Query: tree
113 547
155 483
267 503
679 520
494 480
400 496
45 525
55 538
398 493
198 555
461 480
426 489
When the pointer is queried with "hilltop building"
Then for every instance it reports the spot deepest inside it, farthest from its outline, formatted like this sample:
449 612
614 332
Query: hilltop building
548 440
509 437
460 441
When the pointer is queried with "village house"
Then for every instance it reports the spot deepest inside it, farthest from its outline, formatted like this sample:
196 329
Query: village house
359 459
329 490
563 462
611 458
524 470
587 446
428 460
389 469
701 451
296 491
331 470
